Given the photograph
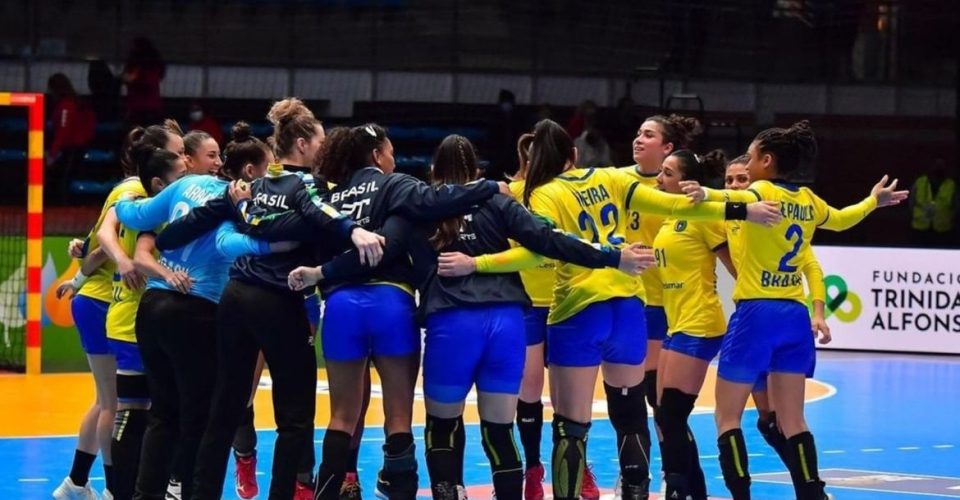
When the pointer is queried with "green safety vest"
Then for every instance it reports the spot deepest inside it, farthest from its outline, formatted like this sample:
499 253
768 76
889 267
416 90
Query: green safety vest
940 216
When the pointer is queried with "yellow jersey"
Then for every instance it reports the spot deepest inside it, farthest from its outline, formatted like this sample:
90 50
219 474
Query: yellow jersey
122 313
688 268
642 228
809 265
768 260
100 284
591 204
537 281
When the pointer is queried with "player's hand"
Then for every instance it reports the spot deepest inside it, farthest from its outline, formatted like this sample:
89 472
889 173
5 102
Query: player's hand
693 190
455 264
239 191
180 281
304 276
129 274
66 288
505 188
370 245
636 259
821 329
765 213
75 248
283 246
886 194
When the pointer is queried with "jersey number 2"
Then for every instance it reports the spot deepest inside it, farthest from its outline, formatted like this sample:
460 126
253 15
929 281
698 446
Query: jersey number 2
793 231
608 217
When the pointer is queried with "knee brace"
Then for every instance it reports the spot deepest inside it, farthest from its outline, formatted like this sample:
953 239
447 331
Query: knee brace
132 389
440 437
628 415
504 458
675 409
627 408
569 457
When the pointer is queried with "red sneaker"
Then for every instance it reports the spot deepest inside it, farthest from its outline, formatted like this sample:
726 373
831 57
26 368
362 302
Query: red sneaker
589 491
533 483
246 476
350 489
303 491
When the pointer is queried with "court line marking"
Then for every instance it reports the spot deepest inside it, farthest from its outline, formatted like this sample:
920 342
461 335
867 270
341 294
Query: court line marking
940 495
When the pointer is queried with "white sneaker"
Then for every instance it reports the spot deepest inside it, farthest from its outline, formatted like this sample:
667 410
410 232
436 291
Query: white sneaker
69 491
173 490
106 495
462 493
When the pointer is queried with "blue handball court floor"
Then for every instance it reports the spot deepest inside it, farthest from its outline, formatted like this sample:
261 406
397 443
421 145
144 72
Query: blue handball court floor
889 430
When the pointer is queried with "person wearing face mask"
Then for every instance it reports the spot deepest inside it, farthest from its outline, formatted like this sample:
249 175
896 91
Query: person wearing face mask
201 120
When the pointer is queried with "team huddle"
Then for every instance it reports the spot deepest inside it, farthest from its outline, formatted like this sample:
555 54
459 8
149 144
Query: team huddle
205 267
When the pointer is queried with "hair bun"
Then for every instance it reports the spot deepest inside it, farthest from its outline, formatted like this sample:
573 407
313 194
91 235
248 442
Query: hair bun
286 110
241 132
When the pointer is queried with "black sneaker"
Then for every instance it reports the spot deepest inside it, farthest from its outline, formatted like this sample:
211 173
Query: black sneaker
397 485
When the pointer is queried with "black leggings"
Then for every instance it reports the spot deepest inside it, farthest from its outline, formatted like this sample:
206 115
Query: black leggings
176 334
256 318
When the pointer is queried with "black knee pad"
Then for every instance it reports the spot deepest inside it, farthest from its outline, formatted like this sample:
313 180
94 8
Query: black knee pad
675 408
627 408
443 452
563 427
132 388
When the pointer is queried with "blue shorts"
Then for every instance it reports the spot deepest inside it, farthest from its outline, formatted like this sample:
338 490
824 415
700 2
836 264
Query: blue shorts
768 336
90 316
482 345
535 319
656 322
128 357
698 347
312 304
369 320
613 330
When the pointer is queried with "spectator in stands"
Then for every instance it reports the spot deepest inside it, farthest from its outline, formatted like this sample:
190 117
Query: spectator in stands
933 206
142 74
74 125
104 90
592 146
201 119
577 123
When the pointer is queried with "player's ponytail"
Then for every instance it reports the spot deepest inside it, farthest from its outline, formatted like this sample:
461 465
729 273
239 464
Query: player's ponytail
550 152
454 162
794 148
154 136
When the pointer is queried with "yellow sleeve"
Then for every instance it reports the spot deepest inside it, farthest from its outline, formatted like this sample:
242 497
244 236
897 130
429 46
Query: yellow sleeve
847 217
813 273
714 234
645 199
748 195
508 261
